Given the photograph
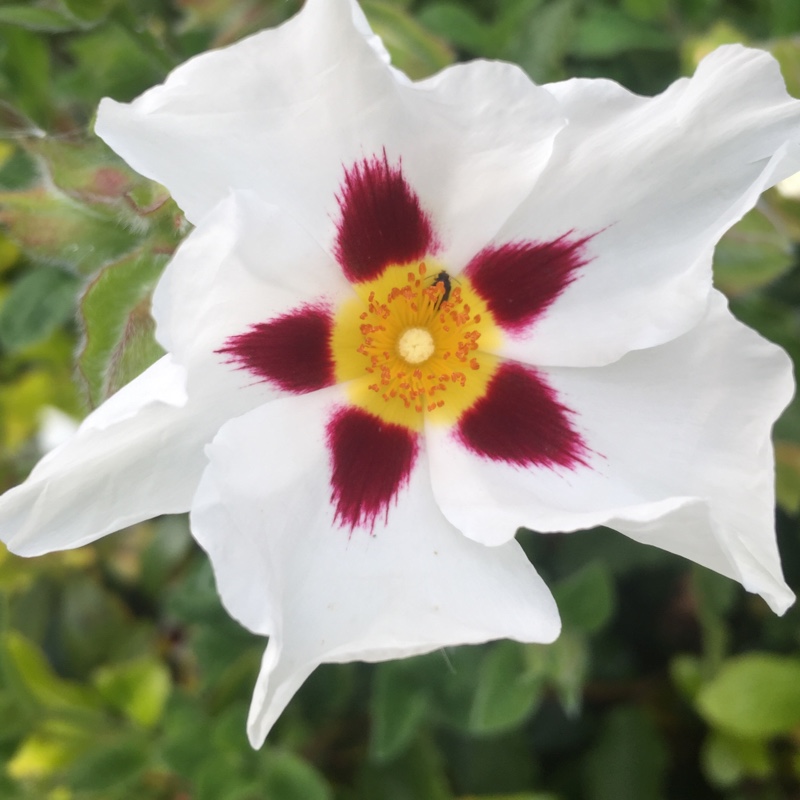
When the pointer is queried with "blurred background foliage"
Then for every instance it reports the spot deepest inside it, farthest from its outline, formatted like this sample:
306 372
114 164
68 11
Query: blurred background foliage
120 675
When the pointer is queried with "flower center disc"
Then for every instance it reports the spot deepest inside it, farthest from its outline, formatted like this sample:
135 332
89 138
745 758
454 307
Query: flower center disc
416 345
409 347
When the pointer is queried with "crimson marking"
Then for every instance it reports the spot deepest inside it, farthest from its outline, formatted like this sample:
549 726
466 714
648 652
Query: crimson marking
521 421
382 221
371 461
520 280
292 351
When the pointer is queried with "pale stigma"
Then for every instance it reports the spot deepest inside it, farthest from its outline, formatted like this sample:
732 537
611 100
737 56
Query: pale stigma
415 345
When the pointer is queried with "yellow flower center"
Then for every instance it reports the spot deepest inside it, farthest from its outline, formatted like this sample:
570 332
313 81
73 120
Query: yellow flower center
412 345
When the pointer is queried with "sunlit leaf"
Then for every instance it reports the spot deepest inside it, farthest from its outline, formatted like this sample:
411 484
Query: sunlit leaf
26 667
727 761
754 696
137 688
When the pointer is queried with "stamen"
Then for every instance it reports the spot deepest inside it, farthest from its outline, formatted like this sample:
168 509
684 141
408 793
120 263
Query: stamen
419 341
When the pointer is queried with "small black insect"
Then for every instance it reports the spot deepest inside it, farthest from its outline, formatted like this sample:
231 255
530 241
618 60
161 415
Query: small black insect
447 282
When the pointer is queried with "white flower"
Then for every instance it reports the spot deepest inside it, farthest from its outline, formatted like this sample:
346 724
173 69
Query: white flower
416 316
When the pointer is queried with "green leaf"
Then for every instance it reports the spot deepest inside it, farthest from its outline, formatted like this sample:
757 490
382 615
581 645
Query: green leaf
54 229
687 674
105 767
38 18
751 254
139 689
523 796
111 60
413 49
586 598
507 693
787 476
627 760
562 665
714 595
727 761
606 32
92 622
418 773
550 31
40 301
398 708
118 330
287 777
457 24
48 750
89 10
26 668
787 51
26 65
754 696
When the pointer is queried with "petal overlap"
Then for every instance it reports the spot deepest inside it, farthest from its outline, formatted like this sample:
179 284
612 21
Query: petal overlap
325 593
632 172
313 96
679 430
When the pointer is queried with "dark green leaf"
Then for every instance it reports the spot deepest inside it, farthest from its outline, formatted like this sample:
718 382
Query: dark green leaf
107 767
398 708
562 665
507 693
751 254
586 598
40 301
26 65
457 24
288 777
628 760
607 32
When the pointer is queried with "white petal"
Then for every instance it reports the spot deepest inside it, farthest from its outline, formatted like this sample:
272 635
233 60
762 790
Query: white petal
245 263
658 180
326 594
681 456
137 456
283 112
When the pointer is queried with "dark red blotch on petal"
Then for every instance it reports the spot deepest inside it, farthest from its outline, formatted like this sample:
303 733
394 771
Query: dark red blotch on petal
382 221
372 460
292 352
521 421
520 280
